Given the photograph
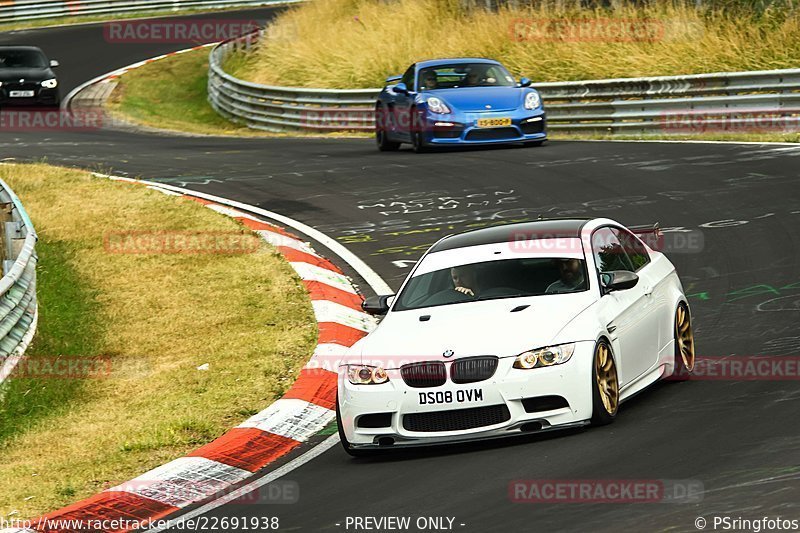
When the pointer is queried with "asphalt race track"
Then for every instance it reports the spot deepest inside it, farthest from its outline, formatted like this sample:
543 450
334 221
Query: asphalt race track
739 439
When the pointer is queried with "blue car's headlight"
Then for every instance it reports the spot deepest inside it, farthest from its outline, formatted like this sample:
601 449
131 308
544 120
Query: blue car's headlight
50 84
435 105
532 100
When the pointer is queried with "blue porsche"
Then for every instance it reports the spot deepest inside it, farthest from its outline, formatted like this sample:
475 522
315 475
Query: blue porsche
458 102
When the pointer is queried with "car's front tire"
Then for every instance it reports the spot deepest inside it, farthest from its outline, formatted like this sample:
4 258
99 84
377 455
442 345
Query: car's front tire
417 138
531 144
355 452
381 137
605 385
684 344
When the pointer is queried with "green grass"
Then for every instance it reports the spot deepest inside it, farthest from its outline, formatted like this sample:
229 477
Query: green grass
156 318
69 325
358 43
171 94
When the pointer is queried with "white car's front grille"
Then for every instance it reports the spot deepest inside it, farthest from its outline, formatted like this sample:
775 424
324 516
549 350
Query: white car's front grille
427 374
473 369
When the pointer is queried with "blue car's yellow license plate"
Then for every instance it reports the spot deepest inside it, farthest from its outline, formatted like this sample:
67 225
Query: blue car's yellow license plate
493 122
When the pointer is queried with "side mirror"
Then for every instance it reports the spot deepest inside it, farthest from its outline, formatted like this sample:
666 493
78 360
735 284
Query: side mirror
618 280
377 305
525 82
54 63
392 79
400 88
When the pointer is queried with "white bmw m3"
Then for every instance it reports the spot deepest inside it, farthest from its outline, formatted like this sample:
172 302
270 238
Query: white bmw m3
513 329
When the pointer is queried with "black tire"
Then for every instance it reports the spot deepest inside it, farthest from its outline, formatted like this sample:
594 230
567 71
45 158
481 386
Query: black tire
354 452
531 144
417 142
601 414
381 138
684 344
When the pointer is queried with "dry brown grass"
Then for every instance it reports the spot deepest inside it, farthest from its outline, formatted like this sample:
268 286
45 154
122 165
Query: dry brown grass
159 318
357 43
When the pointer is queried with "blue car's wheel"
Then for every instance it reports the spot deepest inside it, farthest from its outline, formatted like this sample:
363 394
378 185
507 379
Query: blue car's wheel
417 129
534 143
381 138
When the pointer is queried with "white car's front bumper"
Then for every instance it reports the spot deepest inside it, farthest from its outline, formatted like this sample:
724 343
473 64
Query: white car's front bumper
557 396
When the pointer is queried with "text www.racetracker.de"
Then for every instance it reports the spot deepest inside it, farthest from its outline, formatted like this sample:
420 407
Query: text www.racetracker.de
200 523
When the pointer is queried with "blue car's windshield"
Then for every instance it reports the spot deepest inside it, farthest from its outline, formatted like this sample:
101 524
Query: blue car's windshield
464 75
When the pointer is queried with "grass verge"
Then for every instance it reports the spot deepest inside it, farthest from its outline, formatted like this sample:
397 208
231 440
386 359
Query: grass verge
357 43
171 94
157 318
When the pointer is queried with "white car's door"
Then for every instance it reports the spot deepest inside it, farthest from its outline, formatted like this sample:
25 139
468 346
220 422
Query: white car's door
629 315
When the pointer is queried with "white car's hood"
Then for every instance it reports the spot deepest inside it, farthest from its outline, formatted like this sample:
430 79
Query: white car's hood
473 328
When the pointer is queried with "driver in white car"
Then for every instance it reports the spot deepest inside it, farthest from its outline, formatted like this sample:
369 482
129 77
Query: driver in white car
464 280
572 277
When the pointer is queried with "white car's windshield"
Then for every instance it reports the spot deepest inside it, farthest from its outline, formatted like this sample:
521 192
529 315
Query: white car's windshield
464 75
493 279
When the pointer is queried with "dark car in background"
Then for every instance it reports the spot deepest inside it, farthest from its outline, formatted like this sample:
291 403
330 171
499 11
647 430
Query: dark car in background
27 77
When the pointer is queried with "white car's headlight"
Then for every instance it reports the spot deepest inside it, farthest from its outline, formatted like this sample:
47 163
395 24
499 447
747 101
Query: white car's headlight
366 375
437 106
532 100
548 356
50 84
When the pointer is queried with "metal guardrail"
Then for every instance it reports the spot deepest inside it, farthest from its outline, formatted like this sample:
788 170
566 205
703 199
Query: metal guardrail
763 100
18 307
21 10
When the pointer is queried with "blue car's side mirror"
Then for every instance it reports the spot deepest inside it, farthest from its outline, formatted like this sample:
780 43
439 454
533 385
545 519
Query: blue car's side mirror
524 82
400 88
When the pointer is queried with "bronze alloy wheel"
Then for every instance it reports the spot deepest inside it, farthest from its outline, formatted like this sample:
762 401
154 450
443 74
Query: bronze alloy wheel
606 377
684 337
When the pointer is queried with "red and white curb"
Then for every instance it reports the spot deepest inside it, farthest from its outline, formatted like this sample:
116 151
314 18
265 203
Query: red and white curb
114 74
306 408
